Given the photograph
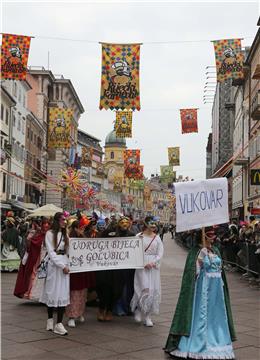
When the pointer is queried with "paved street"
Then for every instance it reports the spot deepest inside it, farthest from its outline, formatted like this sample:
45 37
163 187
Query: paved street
24 335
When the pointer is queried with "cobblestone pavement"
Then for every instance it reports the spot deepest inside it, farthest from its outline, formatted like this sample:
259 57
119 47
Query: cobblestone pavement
24 336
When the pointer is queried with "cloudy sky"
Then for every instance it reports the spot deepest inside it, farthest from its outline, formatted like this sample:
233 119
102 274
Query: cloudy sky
175 53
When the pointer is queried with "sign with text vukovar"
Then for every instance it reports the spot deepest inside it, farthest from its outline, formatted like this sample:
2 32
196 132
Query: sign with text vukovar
201 203
105 254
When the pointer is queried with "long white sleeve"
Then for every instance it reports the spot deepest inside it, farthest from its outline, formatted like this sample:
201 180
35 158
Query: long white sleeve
160 250
56 259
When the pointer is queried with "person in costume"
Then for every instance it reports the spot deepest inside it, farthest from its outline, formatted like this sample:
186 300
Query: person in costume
122 306
147 282
79 282
56 289
27 284
202 326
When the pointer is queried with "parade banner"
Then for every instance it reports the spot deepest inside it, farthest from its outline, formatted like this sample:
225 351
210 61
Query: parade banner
105 254
86 156
100 170
138 184
118 183
123 124
120 77
132 164
59 128
14 56
201 203
167 174
189 123
229 59
174 155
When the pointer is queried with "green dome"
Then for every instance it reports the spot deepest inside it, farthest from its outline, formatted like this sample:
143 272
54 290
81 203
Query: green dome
111 139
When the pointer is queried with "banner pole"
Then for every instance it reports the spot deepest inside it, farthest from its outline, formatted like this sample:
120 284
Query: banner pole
203 237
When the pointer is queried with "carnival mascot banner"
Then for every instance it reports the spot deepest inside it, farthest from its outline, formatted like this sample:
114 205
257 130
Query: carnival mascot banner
201 203
14 56
120 77
60 121
174 156
189 123
229 59
123 124
106 254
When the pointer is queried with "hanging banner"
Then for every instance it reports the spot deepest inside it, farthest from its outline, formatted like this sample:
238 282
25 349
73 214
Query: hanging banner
100 170
189 123
120 77
229 59
201 203
138 184
167 174
133 169
174 155
59 128
123 124
86 156
14 56
118 183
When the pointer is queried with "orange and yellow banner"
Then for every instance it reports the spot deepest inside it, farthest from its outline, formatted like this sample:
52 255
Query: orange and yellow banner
118 183
86 156
189 122
120 77
59 128
14 56
174 155
229 59
123 124
133 169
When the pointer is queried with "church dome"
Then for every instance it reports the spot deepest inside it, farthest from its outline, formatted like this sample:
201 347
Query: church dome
111 139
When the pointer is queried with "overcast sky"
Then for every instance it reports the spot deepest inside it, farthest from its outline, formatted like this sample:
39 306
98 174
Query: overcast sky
172 74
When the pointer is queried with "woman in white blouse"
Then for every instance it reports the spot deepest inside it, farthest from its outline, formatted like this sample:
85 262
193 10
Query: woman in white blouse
56 290
147 281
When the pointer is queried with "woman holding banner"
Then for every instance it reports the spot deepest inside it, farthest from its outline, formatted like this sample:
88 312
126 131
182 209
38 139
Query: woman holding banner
147 282
202 327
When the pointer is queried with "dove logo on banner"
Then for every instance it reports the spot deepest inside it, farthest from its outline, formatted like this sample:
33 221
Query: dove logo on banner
201 203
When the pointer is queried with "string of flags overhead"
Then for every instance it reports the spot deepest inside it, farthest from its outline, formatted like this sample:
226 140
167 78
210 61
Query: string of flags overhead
120 92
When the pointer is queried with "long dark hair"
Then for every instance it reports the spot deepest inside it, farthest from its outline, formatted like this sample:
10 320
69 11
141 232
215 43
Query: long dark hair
56 228
74 226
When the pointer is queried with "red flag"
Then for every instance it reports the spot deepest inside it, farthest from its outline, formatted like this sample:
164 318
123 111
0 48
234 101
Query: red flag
189 121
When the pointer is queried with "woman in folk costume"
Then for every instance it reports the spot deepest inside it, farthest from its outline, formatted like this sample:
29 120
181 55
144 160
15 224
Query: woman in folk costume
79 282
202 327
56 289
27 285
147 282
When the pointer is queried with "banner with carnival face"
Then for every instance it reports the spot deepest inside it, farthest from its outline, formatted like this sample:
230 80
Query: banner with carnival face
118 183
229 59
167 173
120 77
189 122
59 128
14 56
86 156
132 163
174 155
123 124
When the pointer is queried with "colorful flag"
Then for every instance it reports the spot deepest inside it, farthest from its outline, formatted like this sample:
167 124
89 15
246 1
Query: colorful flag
132 164
123 124
14 56
167 174
59 128
174 155
118 183
120 77
86 156
229 59
189 122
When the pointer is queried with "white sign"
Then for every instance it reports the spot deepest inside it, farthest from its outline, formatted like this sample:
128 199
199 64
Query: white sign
201 203
106 254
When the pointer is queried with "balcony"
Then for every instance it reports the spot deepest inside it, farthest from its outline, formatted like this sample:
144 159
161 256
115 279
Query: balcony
255 112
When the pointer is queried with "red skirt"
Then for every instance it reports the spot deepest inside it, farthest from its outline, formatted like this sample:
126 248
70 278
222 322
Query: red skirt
83 280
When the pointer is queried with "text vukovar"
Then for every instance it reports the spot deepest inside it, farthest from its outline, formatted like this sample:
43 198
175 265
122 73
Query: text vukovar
200 201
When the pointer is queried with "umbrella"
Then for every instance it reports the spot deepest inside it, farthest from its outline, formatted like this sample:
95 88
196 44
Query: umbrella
46 210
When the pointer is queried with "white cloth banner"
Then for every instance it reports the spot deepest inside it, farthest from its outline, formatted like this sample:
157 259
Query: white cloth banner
106 254
201 203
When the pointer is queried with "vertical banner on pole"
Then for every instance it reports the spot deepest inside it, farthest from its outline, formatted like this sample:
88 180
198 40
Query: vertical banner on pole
189 123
